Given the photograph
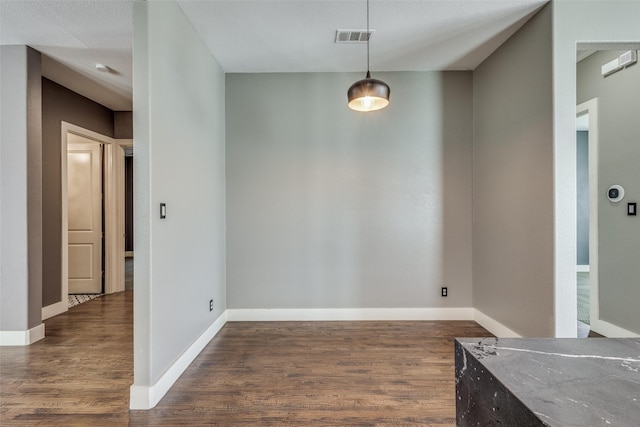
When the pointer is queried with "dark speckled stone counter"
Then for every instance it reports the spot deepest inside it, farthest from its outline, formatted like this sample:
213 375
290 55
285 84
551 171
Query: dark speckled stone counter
547 382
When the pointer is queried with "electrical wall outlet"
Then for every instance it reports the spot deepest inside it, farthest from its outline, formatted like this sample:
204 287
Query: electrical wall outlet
444 292
210 305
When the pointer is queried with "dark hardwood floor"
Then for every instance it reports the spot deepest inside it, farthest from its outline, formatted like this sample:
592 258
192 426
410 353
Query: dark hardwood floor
280 373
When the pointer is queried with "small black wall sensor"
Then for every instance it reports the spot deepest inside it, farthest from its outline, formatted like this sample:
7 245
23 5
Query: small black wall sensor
163 210
615 193
632 209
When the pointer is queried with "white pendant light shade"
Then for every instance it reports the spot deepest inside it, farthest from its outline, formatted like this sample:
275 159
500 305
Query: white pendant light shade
368 94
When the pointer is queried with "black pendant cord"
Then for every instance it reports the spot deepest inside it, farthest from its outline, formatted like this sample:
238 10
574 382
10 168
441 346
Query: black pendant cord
368 37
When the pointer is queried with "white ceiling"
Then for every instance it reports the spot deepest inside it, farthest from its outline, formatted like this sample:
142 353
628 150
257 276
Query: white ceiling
411 35
74 35
264 36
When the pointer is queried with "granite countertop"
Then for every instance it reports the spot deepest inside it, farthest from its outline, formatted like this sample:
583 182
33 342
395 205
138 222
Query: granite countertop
565 381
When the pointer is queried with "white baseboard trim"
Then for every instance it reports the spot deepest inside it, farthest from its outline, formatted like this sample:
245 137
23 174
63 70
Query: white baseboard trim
493 326
583 268
334 314
338 314
22 337
610 330
147 397
55 309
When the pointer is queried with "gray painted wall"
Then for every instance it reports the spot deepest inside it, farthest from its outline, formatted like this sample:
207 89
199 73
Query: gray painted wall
21 189
619 163
513 182
61 104
179 131
576 22
582 183
330 208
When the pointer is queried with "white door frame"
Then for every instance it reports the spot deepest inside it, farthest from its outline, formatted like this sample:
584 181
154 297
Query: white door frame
114 194
591 108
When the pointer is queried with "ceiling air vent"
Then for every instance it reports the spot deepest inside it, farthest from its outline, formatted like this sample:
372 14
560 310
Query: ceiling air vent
353 36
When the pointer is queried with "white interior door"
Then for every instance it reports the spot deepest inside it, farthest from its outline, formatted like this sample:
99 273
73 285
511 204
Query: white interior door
84 198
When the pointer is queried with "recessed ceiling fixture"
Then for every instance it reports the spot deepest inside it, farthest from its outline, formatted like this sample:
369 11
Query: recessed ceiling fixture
368 94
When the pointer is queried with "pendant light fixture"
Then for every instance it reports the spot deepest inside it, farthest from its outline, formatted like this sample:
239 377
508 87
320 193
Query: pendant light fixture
368 94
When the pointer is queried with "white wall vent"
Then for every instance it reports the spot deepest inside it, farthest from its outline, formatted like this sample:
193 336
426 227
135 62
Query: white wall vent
628 58
622 61
353 36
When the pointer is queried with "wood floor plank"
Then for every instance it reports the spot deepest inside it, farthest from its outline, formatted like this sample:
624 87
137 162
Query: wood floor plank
251 373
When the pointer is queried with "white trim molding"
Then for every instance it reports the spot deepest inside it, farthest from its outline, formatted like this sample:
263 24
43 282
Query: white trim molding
590 107
610 330
353 314
493 326
28 337
55 309
147 397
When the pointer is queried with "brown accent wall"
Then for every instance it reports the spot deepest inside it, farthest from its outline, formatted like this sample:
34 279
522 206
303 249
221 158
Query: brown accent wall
123 124
61 104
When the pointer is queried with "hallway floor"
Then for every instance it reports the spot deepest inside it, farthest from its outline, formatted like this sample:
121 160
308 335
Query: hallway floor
293 373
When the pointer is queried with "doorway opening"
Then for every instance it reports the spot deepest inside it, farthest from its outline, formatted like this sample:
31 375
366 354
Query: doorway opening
612 95
84 253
